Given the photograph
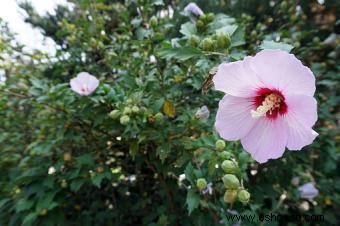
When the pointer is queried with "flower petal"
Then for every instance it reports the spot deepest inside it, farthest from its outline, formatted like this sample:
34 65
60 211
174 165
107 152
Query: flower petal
301 116
303 109
280 70
84 84
75 85
233 118
266 140
237 79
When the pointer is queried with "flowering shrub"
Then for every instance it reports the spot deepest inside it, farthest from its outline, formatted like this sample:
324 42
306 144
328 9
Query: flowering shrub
123 127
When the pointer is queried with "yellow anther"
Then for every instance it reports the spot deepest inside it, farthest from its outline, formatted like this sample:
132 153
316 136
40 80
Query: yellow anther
271 102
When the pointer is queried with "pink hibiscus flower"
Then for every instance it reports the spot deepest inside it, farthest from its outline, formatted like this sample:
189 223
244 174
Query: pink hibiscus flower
84 84
269 103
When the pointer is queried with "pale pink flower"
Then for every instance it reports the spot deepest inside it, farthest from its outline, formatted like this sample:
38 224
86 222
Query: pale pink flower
208 189
193 9
308 191
269 103
84 84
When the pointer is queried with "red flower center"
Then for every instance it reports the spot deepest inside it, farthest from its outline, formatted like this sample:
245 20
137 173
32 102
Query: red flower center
269 103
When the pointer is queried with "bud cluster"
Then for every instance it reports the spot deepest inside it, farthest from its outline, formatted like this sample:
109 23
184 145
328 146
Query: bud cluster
126 111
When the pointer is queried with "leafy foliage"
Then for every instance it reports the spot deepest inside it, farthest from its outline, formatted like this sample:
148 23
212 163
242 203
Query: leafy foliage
110 171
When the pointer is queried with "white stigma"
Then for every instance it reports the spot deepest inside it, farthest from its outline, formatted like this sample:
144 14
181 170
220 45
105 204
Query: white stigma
271 102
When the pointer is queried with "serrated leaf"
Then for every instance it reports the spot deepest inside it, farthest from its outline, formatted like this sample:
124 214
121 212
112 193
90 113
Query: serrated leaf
181 54
193 200
97 179
76 184
3 202
276 45
163 151
169 109
188 29
29 219
86 159
230 29
23 204
189 173
45 201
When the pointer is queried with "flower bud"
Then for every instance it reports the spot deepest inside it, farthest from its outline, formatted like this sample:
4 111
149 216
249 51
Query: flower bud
229 166
203 18
201 183
230 196
67 156
124 120
208 44
243 196
210 17
114 114
225 155
194 40
43 212
200 25
230 181
135 109
159 117
223 40
220 145
153 21
127 110
63 184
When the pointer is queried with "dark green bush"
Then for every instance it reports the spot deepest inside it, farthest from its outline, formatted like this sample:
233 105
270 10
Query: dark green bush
118 156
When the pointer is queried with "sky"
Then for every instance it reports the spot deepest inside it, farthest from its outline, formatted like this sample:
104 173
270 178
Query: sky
25 34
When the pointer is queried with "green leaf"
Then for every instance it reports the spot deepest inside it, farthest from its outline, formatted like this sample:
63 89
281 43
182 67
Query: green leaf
29 219
97 179
276 45
189 173
193 200
237 39
188 29
223 22
3 202
76 184
230 29
23 204
45 201
181 54
163 151
158 2
86 159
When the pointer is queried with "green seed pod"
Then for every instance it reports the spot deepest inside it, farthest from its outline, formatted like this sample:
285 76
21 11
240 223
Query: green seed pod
194 41
220 145
208 44
230 196
153 21
203 18
225 155
229 166
243 196
63 184
127 111
210 17
114 114
230 181
159 117
201 183
124 120
223 40
135 109
200 25
129 101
